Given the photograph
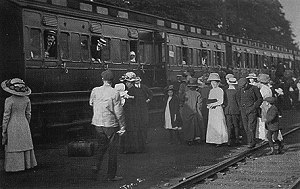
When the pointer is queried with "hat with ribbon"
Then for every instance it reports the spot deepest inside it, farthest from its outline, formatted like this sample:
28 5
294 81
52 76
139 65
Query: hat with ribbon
170 88
251 76
102 41
16 86
232 81
129 76
263 78
213 77
229 76
50 32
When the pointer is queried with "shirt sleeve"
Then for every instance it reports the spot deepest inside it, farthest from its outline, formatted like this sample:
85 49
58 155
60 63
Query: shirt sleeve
92 97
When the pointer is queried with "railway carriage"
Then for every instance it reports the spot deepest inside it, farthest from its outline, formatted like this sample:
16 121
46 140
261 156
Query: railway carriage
61 81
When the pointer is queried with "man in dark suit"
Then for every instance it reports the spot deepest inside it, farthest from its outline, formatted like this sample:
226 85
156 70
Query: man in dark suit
50 44
249 99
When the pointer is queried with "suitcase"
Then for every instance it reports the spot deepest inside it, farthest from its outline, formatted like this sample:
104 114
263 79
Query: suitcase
81 148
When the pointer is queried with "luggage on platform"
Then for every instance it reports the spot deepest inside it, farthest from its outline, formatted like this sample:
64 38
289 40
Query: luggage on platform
81 148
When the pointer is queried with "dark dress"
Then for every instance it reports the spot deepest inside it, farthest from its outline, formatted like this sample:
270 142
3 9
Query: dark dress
136 116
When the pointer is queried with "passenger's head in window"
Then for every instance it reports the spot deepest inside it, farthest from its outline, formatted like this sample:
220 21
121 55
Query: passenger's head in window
97 45
50 43
132 56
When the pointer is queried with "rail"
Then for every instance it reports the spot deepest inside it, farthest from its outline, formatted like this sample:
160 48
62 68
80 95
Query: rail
202 175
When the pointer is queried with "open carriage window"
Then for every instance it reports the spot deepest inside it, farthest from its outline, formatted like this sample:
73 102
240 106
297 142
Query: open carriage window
50 44
85 48
76 47
133 50
100 49
34 44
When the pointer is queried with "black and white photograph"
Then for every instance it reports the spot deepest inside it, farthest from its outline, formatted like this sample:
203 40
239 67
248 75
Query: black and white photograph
150 94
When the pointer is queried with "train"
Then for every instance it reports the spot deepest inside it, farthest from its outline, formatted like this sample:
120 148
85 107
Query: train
61 82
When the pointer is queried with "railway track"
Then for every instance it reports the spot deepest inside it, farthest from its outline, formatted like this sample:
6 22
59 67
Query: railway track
252 168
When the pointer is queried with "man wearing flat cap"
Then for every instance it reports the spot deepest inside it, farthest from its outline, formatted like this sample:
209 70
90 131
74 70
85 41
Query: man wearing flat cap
50 44
109 122
249 99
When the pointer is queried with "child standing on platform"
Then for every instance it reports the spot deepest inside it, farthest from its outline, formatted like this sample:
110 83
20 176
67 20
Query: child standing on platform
272 125
172 115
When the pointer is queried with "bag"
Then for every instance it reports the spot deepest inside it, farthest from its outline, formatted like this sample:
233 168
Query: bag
81 148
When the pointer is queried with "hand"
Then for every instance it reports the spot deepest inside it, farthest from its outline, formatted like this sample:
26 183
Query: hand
121 131
148 100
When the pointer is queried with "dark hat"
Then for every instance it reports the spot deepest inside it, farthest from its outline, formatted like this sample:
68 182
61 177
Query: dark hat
107 75
193 82
50 32
170 87
16 86
242 82
271 99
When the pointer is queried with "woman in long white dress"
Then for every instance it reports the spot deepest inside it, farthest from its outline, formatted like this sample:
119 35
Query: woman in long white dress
265 91
216 127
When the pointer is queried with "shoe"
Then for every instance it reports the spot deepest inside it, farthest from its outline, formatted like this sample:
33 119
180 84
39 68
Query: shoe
116 178
272 152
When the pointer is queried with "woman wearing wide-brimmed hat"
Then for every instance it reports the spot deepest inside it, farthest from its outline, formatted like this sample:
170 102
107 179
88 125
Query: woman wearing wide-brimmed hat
216 127
19 153
133 141
193 126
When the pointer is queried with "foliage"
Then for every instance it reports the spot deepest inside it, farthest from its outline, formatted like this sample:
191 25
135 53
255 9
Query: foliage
261 20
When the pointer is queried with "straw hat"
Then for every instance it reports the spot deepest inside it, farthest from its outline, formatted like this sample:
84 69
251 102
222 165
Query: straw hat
232 81
251 76
16 86
213 77
229 76
170 88
263 78
129 76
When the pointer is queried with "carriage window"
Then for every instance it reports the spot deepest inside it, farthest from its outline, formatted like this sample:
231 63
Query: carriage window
256 61
141 52
205 57
185 58
247 60
124 50
50 44
148 53
178 56
115 50
64 46
100 50
85 47
76 47
34 48
218 59
133 48
171 54
190 57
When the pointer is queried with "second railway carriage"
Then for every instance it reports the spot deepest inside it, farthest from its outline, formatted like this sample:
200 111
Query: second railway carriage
61 81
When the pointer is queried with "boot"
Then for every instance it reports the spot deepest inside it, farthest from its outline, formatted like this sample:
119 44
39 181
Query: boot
280 146
272 151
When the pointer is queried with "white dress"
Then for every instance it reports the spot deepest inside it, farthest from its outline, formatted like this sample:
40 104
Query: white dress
168 124
261 131
216 126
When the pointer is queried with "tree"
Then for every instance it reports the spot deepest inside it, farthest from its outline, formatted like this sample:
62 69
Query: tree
261 20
